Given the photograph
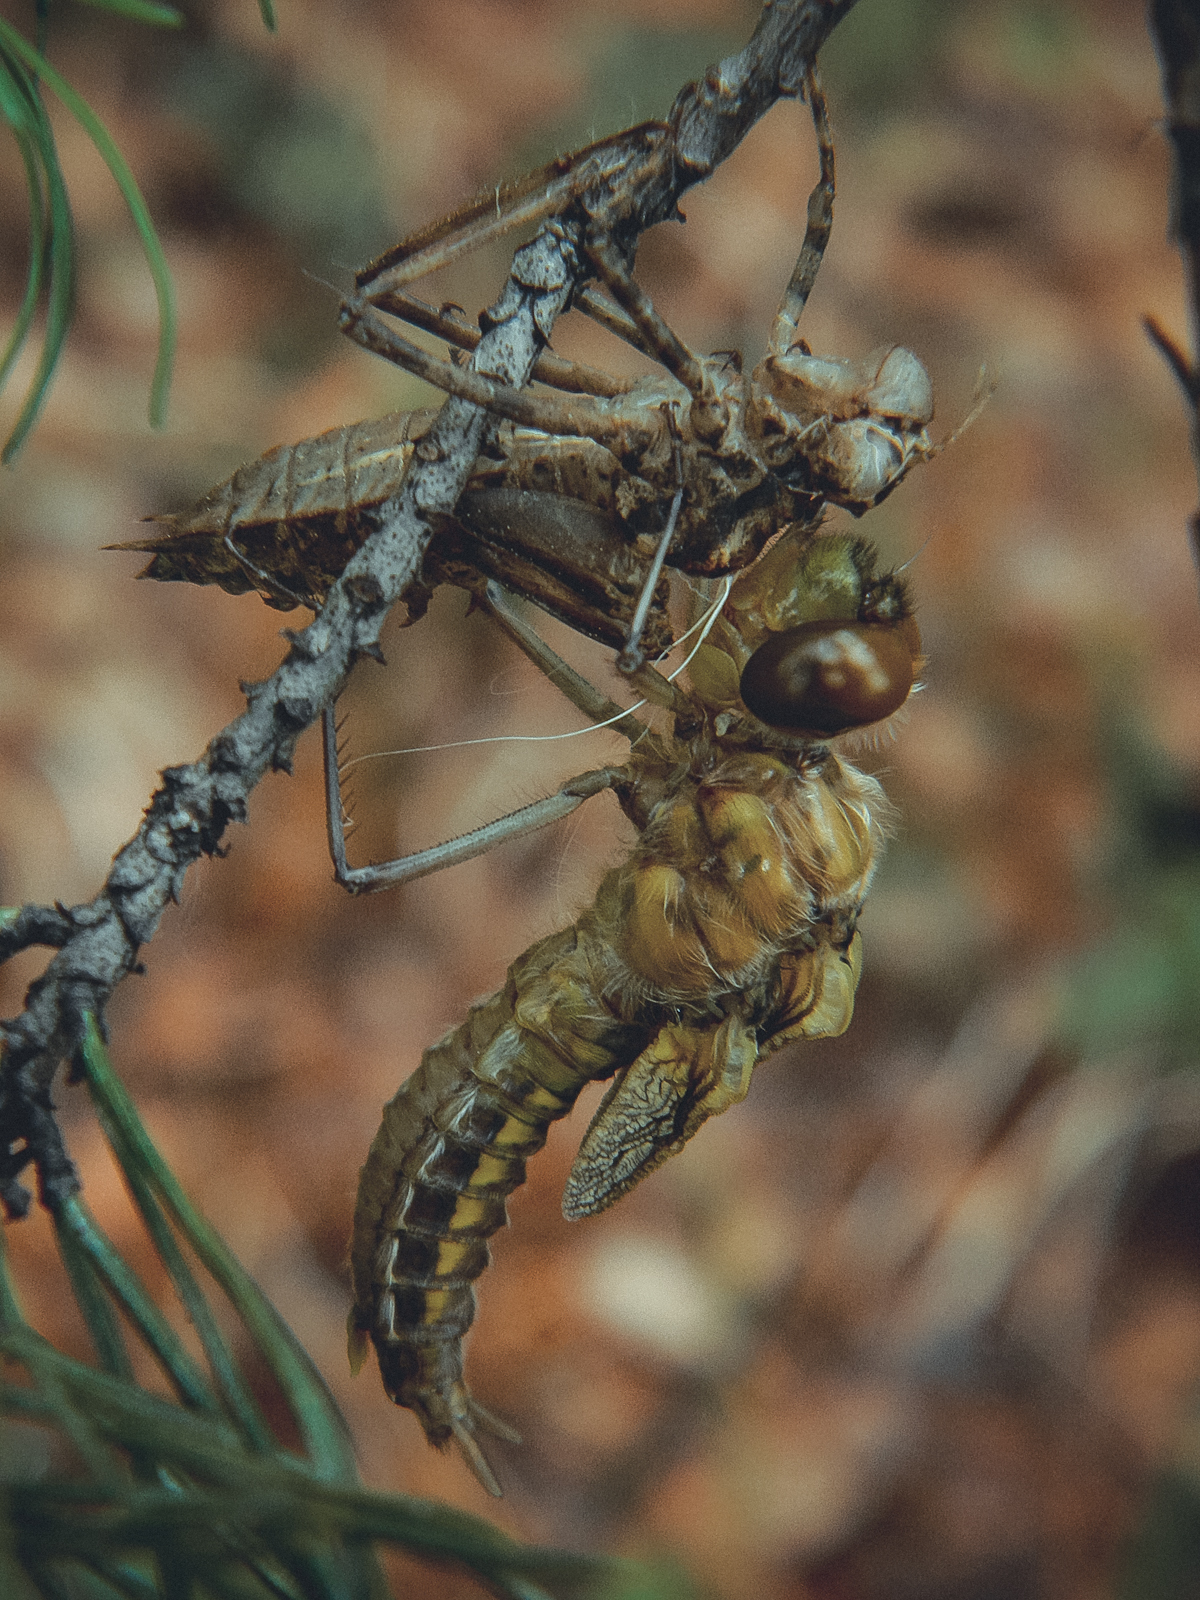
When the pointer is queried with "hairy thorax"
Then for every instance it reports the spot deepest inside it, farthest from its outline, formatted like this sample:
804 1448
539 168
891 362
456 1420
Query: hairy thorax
746 856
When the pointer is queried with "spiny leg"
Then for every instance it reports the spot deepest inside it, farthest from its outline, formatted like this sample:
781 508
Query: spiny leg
589 700
404 869
816 233
471 227
576 377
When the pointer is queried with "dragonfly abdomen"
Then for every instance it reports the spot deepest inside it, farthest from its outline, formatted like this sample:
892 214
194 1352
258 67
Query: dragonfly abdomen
452 1146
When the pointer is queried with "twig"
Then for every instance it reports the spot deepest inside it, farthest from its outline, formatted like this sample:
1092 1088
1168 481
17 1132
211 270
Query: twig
187 816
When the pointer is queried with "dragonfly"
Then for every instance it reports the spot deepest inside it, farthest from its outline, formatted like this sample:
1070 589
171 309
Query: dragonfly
731 927
730 930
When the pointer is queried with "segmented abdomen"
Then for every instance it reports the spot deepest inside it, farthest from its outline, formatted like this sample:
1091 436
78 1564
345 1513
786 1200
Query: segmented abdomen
292 518
453 1144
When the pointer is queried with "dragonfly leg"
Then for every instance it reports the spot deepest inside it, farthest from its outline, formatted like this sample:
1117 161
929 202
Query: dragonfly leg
632 657
622 432
609 315
573 377
816 233
387 874
603 711
655 337
470 228
273 590
548 192
645 680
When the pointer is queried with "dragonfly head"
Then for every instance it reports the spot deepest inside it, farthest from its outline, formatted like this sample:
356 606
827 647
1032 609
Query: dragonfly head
848 431
813 640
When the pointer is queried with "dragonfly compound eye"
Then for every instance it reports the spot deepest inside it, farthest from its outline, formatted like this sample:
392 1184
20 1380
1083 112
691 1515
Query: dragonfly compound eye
824 678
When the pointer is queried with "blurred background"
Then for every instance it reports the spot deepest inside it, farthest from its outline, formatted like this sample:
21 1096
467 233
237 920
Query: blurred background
922 1317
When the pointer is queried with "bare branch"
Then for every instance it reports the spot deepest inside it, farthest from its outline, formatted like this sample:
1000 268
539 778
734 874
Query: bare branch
188 815
21 927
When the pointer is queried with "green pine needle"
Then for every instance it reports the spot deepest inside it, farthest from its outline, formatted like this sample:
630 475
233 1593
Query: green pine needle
157 16
62 248
23 67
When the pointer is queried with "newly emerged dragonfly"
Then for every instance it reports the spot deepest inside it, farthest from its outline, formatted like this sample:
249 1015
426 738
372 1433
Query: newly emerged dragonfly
571 502
730 929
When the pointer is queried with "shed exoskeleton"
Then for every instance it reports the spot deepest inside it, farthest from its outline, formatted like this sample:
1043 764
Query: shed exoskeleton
581 494
730 929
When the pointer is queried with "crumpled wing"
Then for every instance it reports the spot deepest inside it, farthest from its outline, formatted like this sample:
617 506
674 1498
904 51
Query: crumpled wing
816 995
683 1077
